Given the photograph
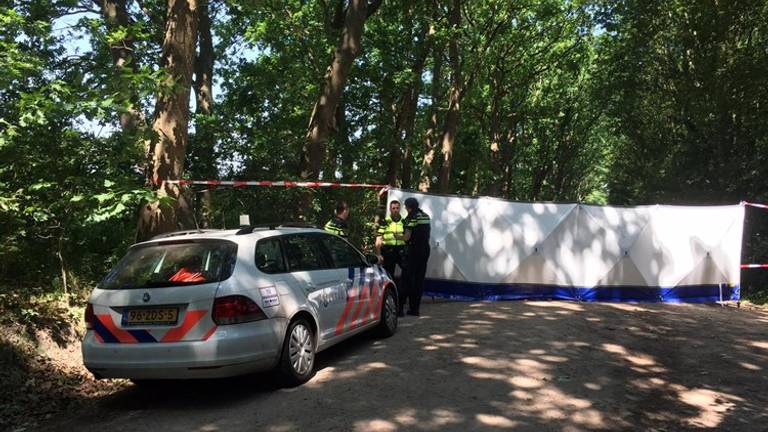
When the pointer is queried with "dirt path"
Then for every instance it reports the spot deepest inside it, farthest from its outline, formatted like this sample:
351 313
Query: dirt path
487 366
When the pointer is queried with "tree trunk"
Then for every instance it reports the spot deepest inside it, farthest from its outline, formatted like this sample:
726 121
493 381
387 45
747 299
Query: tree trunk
116 16
506 156
62 266
171 122
543 165
204 62
204 136
341 144
407 116
390 141
493 186
452 116
346 156
566 152
321 123
407 167
448 140
515 140
430 139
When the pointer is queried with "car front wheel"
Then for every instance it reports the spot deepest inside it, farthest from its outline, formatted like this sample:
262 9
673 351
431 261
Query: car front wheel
388 324
297 361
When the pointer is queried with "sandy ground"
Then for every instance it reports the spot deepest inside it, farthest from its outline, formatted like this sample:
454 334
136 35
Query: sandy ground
543 366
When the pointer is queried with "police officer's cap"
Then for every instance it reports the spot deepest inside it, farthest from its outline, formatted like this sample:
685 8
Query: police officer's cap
412 203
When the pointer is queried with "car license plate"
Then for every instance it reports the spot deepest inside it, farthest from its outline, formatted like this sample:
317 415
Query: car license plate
144 316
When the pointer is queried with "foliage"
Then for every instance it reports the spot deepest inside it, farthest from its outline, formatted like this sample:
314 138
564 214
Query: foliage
596 101
68 194
687 86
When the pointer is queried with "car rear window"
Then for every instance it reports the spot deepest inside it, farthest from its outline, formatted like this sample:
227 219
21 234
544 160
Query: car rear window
174 263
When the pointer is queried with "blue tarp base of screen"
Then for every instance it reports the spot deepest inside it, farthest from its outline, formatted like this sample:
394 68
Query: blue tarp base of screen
459 290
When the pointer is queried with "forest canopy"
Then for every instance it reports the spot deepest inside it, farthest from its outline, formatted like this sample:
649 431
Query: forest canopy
619 102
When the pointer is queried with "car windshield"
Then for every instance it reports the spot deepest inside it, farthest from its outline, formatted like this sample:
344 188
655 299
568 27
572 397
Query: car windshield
174 263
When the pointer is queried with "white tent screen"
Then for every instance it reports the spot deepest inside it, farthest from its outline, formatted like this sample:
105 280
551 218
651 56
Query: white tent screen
487 248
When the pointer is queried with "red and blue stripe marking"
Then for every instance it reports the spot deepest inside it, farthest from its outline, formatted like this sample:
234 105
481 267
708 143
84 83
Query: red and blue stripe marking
107 332
363 299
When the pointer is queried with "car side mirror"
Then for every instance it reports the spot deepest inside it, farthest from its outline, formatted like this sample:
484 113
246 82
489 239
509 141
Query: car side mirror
372 259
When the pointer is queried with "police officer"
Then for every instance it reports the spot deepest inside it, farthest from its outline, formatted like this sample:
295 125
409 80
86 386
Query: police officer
417 229
390 248
338 225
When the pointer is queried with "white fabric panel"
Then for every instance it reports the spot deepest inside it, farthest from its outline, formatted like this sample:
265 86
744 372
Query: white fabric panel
623 273
724 254
706 270
489 240
442 266
622 223
537 269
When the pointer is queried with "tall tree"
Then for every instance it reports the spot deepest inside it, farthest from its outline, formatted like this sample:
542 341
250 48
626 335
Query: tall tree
321 122
205 139
118 21
466 59
431 135
687 85
204 61
454 98
402 157
171 123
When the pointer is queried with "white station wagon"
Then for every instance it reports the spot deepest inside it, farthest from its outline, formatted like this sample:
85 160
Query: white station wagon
205 304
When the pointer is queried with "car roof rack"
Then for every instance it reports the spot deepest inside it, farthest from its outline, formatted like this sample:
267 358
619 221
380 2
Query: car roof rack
275 225
181 233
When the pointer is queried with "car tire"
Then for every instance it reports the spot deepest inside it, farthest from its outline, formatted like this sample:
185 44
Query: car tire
297 361
388 321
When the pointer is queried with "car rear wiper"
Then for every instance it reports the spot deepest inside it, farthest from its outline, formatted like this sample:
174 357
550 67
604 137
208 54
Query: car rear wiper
154 284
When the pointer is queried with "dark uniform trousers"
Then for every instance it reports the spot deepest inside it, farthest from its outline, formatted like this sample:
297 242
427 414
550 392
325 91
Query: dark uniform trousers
393 256
413 279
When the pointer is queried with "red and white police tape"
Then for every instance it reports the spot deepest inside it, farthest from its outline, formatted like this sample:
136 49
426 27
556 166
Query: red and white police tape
762 206
384 188
285 183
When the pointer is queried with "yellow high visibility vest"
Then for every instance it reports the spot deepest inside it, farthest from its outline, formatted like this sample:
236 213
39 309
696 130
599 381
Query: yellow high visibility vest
336 227
388 229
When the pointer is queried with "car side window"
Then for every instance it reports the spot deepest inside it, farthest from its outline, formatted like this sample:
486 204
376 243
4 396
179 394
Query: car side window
342 253
269 256
304 253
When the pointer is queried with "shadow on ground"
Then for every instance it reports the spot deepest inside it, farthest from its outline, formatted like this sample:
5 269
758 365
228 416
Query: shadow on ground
492 366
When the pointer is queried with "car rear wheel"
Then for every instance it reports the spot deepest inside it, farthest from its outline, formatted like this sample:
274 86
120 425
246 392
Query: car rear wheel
388 323
298 358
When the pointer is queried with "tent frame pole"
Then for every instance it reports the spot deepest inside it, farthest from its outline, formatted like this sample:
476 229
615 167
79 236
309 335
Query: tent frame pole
722 303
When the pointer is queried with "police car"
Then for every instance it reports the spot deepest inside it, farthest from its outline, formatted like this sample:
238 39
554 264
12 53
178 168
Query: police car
206 304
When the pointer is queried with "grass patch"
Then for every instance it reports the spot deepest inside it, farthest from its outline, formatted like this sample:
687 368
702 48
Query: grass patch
759 297
34 309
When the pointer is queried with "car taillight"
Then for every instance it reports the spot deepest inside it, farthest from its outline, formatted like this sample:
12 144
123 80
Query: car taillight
89 316
236 309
